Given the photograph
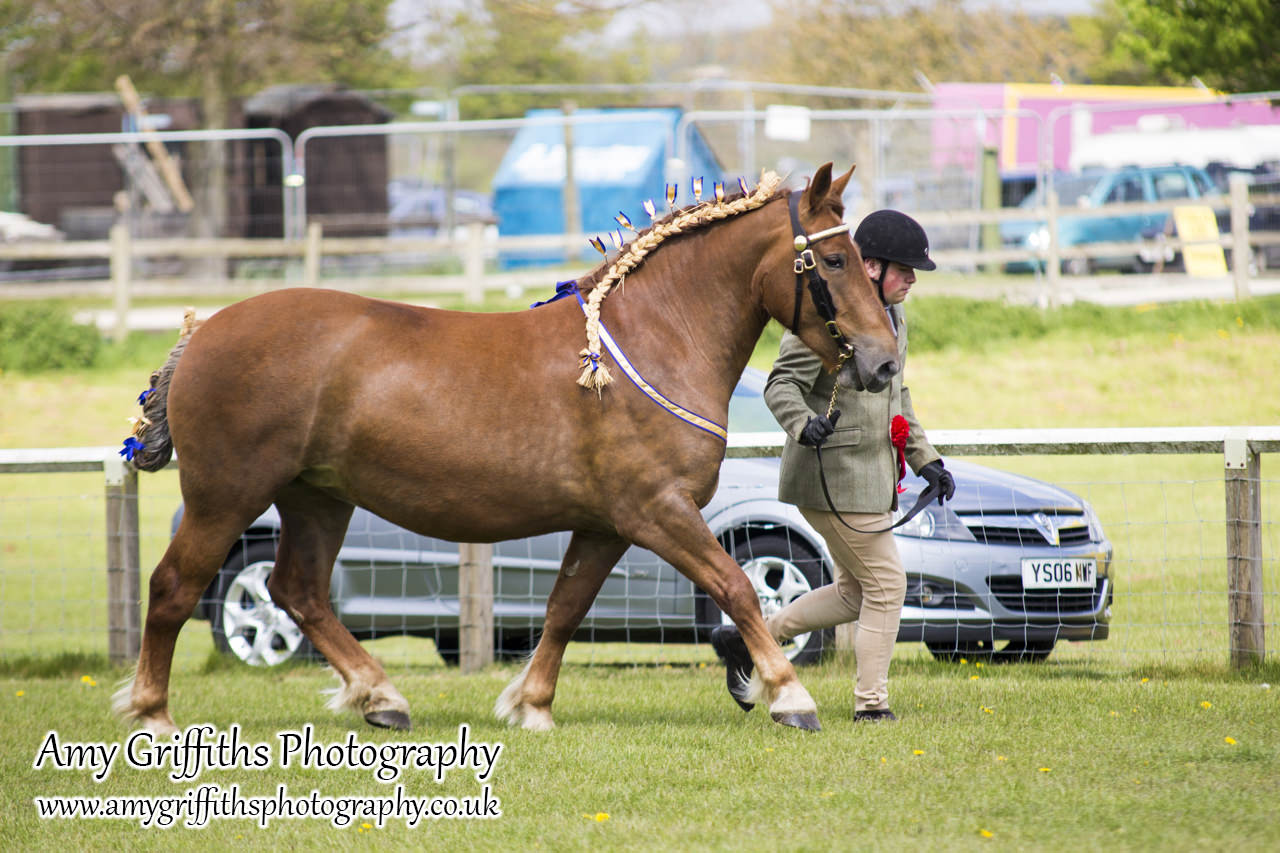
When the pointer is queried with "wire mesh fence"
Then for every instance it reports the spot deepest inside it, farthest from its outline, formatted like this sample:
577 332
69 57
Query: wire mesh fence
1161 595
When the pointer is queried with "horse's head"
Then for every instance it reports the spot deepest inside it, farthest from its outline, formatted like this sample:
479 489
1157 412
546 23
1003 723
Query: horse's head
821 290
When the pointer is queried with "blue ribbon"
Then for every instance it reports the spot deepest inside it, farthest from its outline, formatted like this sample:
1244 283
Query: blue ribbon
132 446
563 289
142 398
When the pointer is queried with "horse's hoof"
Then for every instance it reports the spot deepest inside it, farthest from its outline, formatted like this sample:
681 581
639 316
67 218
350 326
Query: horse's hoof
397 720
807 721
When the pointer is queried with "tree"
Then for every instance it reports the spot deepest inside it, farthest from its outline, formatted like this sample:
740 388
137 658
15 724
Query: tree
1228 44
517 42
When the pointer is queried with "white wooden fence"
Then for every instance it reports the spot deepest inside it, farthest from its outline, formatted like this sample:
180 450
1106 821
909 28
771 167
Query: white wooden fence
1241 449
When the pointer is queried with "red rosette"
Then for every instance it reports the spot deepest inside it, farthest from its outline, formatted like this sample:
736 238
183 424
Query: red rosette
899 432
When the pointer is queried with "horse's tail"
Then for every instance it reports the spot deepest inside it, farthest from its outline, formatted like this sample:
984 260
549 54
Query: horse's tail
153 432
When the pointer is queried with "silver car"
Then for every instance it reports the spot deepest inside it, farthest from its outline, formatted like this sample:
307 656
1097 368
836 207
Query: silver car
1007 568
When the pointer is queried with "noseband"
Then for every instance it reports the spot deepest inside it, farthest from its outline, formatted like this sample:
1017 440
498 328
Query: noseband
806 266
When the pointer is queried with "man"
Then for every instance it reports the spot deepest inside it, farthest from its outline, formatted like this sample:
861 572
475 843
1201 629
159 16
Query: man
862 467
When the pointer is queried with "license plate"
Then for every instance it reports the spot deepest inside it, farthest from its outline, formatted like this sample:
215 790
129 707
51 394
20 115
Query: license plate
1049 573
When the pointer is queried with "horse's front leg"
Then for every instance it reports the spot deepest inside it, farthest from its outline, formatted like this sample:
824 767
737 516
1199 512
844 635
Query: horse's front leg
526 701
683 540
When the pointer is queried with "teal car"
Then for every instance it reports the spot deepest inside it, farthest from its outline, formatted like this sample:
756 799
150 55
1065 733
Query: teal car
1095 189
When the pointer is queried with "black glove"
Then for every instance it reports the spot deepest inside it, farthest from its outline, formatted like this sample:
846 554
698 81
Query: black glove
939 477
818 429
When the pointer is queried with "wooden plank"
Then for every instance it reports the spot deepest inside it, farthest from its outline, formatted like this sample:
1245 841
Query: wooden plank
475 606
168 168
124 597
1244 561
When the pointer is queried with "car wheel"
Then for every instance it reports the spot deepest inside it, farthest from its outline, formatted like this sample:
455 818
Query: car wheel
985 650
245 621
781 568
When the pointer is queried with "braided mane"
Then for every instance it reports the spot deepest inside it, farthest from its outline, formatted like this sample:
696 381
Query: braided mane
595 374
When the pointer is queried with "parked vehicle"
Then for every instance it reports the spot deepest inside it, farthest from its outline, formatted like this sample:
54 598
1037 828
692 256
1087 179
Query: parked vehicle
1094 189
1008 567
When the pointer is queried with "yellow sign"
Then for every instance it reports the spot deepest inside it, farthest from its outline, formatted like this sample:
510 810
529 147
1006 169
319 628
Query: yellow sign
1197 228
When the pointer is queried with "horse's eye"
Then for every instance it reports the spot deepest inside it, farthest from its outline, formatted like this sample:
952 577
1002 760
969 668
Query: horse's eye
835 262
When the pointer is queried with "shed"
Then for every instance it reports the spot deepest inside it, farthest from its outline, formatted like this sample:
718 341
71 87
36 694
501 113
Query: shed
346 176
73 187
620 160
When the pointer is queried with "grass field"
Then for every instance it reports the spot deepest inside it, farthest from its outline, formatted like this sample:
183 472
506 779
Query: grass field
1140 742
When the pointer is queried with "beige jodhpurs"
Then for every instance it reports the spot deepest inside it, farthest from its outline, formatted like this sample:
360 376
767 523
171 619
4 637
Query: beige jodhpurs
869 588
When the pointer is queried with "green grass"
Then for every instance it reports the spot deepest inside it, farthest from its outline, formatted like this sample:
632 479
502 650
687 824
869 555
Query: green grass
653 742
1040 757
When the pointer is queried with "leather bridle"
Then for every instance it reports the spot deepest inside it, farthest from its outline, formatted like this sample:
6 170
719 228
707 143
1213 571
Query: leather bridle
806 268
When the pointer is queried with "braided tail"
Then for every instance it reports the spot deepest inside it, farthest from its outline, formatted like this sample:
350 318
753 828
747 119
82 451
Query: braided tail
153 427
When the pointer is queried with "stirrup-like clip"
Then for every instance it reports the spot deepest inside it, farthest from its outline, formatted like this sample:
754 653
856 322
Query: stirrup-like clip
807 258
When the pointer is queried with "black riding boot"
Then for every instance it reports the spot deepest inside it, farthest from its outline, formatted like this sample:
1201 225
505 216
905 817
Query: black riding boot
737 662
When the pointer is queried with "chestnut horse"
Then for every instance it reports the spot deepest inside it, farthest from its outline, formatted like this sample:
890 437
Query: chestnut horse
471 427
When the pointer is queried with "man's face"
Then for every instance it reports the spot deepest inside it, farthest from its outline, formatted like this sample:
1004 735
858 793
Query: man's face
898 279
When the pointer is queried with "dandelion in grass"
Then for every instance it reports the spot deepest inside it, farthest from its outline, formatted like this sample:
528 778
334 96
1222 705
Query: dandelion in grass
1045 769
1240 322
20 693
917 752
963 661
1224 334
884 760
978 665
974 677
88 679
1001 758
1229 740
828 793
987 710
1144 680
986 833
1206 704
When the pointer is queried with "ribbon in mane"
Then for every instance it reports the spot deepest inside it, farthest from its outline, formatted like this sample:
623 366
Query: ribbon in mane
595 373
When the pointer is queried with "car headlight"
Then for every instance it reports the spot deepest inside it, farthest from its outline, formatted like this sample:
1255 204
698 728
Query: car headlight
1095 526
933 522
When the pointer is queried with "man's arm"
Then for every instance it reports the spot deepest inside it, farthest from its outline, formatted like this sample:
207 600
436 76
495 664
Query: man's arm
789 383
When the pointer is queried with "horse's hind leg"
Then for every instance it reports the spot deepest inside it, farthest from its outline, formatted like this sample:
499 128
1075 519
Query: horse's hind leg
682 538
181 577
312 527
527 699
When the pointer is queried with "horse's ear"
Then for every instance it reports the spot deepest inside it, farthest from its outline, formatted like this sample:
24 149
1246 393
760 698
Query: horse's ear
815 195
838 185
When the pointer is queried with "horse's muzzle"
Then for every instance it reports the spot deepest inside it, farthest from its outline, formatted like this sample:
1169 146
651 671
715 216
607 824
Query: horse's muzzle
866 374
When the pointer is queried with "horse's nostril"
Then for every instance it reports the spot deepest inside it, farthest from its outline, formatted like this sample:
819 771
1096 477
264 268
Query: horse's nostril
885 372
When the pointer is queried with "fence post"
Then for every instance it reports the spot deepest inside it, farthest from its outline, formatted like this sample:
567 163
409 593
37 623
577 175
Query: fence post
1241 255
1244 550
475 600
1053 264
311 260
121 273
473 263
124 597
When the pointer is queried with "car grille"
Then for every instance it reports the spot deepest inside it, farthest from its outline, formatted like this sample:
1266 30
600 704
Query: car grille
992 534
1009 592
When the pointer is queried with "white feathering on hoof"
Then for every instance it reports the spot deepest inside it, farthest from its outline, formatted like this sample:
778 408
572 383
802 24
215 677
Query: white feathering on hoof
507 708
346 696
755 693
122 699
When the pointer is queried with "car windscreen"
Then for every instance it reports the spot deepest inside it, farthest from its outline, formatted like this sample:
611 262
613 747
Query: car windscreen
1069 189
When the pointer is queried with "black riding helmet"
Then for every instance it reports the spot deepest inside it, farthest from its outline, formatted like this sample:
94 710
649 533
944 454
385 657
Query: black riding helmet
894 236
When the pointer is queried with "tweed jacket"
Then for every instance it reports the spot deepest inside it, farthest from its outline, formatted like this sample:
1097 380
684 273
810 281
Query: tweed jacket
859 458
